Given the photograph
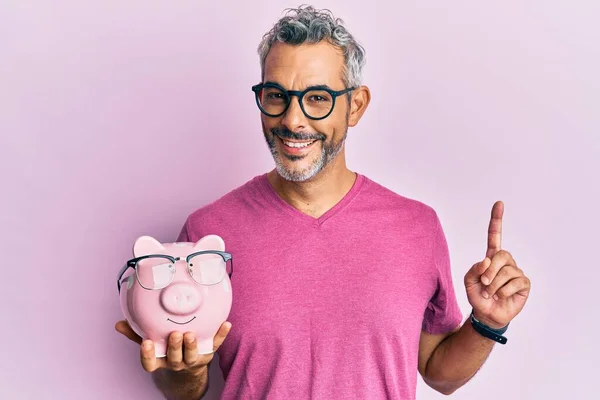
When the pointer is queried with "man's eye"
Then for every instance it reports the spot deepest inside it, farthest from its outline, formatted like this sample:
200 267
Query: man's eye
274 95
317 98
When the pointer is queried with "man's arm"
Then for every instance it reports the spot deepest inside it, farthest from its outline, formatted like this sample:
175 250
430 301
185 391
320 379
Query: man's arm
448 361
182 385
497 289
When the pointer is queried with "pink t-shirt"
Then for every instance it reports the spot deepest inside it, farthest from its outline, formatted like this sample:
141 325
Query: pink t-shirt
329 307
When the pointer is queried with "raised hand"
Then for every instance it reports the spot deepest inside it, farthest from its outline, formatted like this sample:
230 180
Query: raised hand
182 350
497 288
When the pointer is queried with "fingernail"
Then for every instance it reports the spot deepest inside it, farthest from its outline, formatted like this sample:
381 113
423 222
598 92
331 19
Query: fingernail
189 340
485 294
485 280
496 297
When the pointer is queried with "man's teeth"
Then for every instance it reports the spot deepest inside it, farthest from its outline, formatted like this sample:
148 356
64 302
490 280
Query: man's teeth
297 145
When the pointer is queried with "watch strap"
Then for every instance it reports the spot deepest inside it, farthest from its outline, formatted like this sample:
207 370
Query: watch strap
490 333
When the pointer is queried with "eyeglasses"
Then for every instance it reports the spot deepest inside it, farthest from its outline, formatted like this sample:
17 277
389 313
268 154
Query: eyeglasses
316 102
156 271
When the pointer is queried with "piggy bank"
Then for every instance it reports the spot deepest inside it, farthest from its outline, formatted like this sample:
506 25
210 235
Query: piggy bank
182 287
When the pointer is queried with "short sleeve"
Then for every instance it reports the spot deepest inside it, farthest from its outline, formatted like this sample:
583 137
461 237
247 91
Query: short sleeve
443 313
184 234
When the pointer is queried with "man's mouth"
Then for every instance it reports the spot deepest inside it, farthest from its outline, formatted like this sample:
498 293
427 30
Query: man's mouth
298 145
181 323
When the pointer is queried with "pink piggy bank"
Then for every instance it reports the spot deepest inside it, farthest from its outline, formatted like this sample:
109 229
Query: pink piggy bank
177 287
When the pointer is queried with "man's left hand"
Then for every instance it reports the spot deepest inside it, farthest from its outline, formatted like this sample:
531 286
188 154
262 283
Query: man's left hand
497 288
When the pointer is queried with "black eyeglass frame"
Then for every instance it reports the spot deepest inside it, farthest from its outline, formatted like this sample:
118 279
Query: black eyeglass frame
300 94
133 262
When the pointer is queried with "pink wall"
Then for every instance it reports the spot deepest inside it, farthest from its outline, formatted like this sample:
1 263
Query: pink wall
118 118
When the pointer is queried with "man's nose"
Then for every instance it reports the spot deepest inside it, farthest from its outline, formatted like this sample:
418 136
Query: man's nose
294 119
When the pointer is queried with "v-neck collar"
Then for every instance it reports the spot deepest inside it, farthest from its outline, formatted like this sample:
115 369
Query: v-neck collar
272 195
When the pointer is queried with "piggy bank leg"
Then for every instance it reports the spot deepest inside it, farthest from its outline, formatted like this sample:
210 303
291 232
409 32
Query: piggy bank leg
205 346
160 348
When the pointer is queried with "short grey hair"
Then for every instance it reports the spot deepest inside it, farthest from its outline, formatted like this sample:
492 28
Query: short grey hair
309 25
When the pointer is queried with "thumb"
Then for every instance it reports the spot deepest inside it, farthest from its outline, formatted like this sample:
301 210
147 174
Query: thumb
123 328
473 275
221 335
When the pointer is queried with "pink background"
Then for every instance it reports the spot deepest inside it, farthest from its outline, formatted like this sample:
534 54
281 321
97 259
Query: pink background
119 118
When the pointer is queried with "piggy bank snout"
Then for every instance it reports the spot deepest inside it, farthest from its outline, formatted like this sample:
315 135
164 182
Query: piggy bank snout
181 298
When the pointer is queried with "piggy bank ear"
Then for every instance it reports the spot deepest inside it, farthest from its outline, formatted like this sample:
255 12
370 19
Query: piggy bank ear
147 245
210 242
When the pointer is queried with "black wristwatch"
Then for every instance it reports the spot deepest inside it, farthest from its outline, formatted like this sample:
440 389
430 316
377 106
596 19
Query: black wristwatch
490 333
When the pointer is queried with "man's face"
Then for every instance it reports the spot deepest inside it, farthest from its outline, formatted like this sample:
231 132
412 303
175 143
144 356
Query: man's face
302 147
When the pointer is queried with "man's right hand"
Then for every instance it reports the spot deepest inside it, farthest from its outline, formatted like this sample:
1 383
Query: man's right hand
182 349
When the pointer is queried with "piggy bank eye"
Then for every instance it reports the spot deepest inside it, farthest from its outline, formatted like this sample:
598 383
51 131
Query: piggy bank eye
155 272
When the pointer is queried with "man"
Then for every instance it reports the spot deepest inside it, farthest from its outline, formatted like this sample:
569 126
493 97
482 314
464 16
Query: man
342 288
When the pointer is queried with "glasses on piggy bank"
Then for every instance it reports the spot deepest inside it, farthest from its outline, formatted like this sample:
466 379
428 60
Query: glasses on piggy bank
156 271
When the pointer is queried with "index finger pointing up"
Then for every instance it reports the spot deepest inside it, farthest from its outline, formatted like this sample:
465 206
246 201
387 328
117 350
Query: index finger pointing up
495 229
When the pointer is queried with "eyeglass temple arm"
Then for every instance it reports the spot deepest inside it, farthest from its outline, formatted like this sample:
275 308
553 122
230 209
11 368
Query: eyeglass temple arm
121 272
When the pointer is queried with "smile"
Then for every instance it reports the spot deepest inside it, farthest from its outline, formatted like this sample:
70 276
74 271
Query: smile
298 145
181 323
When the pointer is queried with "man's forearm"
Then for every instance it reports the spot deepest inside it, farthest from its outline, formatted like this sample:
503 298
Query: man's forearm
456 359
182 385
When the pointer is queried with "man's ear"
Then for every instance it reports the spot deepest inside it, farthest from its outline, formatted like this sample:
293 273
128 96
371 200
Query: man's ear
361 97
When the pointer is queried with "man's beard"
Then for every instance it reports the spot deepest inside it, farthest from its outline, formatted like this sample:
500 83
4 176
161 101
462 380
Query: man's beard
329 152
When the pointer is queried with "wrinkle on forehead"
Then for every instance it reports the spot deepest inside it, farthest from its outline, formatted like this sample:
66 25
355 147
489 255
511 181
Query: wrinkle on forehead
296 67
